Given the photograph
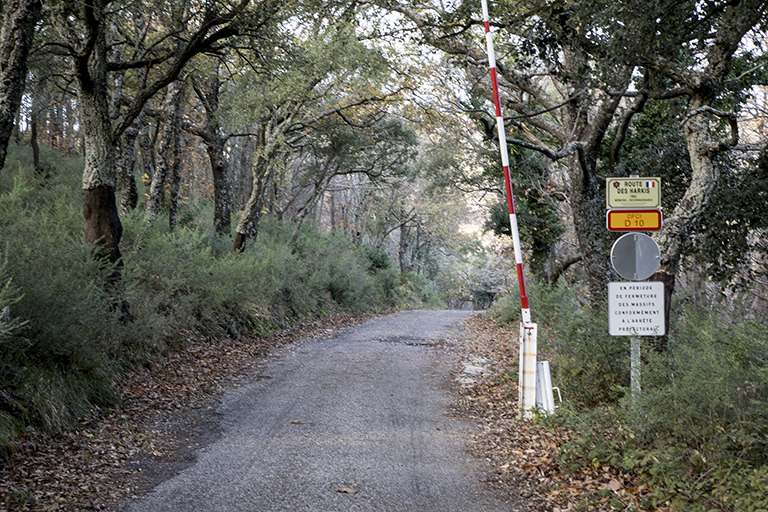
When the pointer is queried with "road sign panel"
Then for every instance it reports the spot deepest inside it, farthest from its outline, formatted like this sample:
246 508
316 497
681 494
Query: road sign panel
636 309
633 192
633 220
635 256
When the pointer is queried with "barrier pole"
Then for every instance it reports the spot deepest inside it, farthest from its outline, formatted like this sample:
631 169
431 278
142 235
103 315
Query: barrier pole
527 375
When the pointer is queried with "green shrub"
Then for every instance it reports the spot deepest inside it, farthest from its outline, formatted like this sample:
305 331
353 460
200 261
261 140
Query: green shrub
378 259
418 292
60 337
709 391
587 364
340 267
697 433
11 352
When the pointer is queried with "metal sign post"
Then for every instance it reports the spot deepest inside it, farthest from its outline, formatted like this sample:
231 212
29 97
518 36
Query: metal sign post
527 375
635 309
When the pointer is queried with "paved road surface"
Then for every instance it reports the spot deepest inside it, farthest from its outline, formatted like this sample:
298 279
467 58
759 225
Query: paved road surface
364 411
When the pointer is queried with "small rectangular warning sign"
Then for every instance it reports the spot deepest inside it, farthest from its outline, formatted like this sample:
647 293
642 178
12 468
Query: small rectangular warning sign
633 220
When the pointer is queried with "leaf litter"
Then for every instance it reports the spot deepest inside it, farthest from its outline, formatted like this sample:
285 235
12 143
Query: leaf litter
167 412
523 454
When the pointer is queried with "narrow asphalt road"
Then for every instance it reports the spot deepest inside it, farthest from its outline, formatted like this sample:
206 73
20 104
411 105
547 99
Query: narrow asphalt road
359 421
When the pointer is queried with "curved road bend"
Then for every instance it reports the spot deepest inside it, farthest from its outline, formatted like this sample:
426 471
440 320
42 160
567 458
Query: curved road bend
356 422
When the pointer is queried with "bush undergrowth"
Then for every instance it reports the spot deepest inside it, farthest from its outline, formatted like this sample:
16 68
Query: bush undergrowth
63 347
696 434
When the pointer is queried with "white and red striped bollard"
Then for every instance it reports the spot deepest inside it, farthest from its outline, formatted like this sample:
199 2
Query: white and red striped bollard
528 330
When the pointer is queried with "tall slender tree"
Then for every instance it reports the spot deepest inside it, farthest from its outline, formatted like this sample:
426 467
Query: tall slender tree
16 34
172 110
208 88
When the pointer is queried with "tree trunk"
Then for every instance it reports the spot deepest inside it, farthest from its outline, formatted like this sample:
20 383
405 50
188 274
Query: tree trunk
129 195
175 188
19 19
208 93
103 228
102 223
33 141
248 227
147 139
125 146
677 227
222 209
589 226
332 208
402 248
172 111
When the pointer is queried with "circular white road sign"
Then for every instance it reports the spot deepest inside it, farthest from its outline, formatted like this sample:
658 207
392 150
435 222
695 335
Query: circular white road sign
635 256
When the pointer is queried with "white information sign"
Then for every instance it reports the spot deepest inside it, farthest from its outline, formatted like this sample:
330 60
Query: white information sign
636 309
632 193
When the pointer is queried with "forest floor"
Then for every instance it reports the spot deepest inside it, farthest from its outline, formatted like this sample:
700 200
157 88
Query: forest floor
168 413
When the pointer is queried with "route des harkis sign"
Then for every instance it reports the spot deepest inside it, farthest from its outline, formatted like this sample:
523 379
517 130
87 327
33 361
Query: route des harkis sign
636 309
633 192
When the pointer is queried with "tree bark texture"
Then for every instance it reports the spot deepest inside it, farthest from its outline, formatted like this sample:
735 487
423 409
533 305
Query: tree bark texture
402 248
248 227
208 94
33 141
269 142
102 223
129 195
222 208
19 19
147 140
171 124
174 201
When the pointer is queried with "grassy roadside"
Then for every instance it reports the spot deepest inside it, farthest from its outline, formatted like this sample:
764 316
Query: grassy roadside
526 455
64 351
599 457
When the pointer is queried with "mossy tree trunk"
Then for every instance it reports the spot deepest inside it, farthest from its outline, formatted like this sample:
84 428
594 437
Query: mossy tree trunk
19 19
248 226
209 131
171 125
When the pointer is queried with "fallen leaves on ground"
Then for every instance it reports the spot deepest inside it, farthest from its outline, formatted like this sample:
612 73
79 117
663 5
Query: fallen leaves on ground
166 413
522 453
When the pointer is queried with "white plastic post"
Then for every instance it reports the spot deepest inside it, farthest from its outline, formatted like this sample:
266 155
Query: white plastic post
527 379
545 396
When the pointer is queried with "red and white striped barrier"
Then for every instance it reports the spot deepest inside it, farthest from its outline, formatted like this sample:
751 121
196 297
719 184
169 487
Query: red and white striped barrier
527 375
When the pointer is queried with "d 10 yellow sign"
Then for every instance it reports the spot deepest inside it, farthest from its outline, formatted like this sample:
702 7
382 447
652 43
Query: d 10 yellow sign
633 220
633 192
